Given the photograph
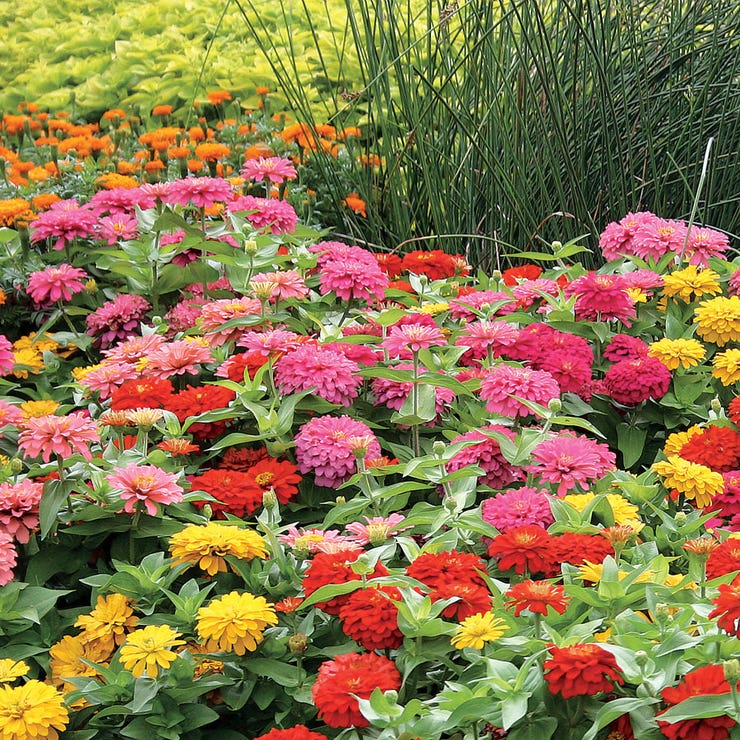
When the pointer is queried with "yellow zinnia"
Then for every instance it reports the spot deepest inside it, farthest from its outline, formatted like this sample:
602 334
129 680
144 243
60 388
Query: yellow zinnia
32 710
593 572
67 661
148 649
235 622
696 482
727 366
35 409
579 501
675 352
624 512
675 442
11 669
691 282
108 623
718 320
206 546
475 631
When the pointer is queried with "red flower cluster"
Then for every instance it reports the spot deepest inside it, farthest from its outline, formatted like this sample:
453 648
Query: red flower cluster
724 559
435 264
299 732
454 574
524 272
704 681
197 400
348 676
524 549
370 618
334 568
727 607
536 596
581 670
715 447
575 548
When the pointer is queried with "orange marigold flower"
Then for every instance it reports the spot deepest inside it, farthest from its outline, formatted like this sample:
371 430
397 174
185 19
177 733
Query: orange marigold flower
112 180
216 97
262 90
258 150
114 114
211 151
356 204
162 110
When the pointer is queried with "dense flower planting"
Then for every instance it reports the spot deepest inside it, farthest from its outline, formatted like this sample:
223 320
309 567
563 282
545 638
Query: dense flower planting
259 483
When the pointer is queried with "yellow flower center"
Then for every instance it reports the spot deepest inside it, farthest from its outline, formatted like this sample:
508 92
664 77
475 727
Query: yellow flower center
264 479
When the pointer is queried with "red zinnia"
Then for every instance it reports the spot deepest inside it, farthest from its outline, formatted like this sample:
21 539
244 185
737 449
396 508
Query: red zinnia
718 448
233 489
727 607
584 669
724 559
370 618
524 549
704 681
575 548
436 569
341 681
435 264
141 393
334 568
280 476
194 401
512 275
471 599
536 596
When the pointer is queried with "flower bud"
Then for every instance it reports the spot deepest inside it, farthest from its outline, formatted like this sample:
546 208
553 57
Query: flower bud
391 696
340 501
555 405
641 658
250 247
715 405
91 287
438 448
680 518
298 644
207 511
732 671
269 499
16 465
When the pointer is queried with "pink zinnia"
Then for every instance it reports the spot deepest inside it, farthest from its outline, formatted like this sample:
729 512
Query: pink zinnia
630 382
59 435
362 354
531 291
317 540
117 319
115 201
624 347
202 192
571 460
518 507
183 315
322 447
180 357
601 297
406 338
327 251
19 508
394 393
266 213
486 454
271 342
643 279
8 558
334 377
214 314
9 414
376 529
487 336
288 284
66 221
274 169
503 382
353 279
7 357
571 372
55 284
704 243
120 227
133 349
151 193
616 240
147 484
106 378
656 237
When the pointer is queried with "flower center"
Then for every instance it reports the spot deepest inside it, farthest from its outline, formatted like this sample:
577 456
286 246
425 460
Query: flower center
264 479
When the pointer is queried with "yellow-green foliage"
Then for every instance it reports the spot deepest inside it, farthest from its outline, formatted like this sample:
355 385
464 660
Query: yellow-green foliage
86 56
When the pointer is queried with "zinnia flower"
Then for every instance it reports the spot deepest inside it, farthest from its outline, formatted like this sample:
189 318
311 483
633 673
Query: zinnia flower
571 460
617 239
147 484
334 377
691 283
117 320
266 213
181 357
478 629
486 454
322 448
697 482
31 710
149 649
206 545
704 243
503 382
706 680
298 732
19 508
585 669
726 366
536 597
108 623
275 169
724 559
202 192
11 669
518 507
54 284
377 529
716 447
524 549
8 558
65 221
369 617
630 382
45 436
340 682
674 352
234 622
601 297
718 320
412 338
727 607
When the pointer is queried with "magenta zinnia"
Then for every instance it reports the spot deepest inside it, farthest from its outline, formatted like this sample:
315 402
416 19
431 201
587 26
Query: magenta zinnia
55 284
147 484
503 382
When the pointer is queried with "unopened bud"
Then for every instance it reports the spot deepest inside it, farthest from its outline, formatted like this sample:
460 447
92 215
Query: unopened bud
680 518
340 501
250 247
91 287
438 448
662 613
207 511
269 499
298 644
555 405
732 671
716 406
391 696
16 465
557 246
641 658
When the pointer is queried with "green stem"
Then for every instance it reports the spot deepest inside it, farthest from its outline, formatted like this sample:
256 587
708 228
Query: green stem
134 525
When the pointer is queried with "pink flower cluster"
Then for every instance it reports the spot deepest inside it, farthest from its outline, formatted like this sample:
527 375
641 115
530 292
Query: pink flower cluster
19 508
502 383
45 436
350 272
145 484
53 284
518 507
277 216
117 319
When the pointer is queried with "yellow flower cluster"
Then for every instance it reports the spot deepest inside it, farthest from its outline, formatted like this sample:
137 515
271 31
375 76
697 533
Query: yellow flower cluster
689 282
674 352
11 669
148 649
30 711
727 366
718 320
206 545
